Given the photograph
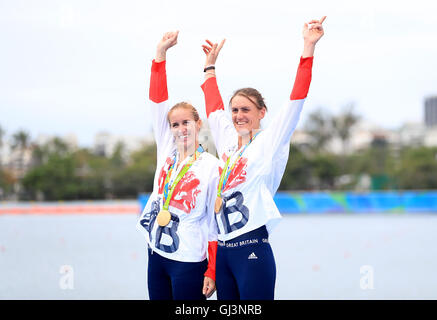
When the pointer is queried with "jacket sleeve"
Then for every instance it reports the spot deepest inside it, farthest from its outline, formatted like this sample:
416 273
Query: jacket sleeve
220 124
212 254
279 132
283 125
158 100
212 224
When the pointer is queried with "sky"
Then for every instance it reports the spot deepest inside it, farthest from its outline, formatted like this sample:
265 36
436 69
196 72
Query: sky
83 67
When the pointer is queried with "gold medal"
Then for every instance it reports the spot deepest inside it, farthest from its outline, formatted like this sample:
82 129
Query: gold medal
163 218
218 204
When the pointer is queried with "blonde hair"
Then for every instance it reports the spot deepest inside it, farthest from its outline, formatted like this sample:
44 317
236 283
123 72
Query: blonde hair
186 106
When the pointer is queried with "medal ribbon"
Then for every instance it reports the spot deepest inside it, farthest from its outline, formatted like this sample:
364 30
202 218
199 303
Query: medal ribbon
168 193
227 172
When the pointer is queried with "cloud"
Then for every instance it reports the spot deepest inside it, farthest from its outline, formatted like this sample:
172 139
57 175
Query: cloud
81 57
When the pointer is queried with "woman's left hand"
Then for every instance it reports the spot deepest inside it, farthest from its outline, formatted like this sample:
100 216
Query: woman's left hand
208 287
212 51
313 33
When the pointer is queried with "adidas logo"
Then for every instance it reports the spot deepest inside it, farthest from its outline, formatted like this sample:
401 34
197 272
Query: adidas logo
252 256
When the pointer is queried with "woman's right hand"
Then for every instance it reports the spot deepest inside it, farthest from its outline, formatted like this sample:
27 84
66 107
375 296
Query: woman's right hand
311 35
212 51
168 40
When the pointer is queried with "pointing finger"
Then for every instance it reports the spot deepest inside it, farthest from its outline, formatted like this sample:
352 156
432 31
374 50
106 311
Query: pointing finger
323 19
221 44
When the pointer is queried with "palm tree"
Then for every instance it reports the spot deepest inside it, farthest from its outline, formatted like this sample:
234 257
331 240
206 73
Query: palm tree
21 141
342 125
2 133
318 126
117 158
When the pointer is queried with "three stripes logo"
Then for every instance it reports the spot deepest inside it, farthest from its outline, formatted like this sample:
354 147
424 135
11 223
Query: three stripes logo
252 256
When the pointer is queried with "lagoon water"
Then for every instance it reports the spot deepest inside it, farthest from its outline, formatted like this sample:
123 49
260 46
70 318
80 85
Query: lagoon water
318 256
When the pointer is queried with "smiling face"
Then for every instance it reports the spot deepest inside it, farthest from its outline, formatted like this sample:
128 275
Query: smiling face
246 115
184 128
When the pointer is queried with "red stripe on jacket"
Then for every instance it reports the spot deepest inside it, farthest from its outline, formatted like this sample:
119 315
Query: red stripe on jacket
213 100
212 254
158 82
303 79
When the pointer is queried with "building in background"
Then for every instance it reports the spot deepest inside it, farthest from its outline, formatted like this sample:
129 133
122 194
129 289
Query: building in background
206 139
106 143
430 139
69 139
411 134
431 111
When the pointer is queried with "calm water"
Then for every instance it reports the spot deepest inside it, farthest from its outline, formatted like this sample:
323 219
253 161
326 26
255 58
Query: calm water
317 257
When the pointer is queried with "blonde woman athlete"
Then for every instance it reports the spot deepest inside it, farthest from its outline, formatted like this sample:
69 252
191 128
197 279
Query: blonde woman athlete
178 220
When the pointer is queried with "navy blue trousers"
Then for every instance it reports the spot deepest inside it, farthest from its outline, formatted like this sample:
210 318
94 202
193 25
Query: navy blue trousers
246 268
174 280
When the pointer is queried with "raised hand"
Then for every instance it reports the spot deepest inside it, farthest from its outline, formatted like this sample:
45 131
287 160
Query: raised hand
212 51
314 32
168 40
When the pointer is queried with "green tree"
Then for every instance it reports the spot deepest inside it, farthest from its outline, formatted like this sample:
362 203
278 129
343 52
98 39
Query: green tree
297 171
377 161
319 126
137 177
309 170
117 157
60 173
2 133
417 168
343 123
325 168
20 141
55 179
7 180
95 173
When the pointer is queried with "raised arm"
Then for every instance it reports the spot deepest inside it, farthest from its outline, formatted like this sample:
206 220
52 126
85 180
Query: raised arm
311 35
212 51
312 32
283 125
222 128
158 94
